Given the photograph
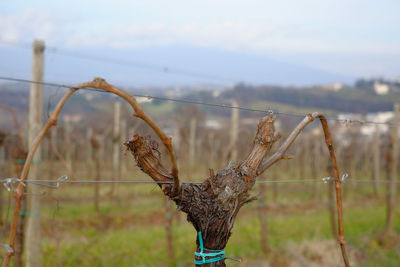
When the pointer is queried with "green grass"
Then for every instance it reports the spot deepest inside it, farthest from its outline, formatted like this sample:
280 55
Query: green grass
141 244
131 232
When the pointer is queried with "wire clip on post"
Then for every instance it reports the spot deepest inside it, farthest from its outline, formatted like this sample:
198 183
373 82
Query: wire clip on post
219 254
343 179
59 180
8 248
270 112
10 182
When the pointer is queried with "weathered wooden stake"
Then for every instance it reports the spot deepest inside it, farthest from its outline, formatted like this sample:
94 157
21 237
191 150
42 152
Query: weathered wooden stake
124 160
89 152
192 141
116 170
67 144
211 156
19 239
234 133
263 221
33 236
168 228
376 158
392 177
314 168
95 144
275 186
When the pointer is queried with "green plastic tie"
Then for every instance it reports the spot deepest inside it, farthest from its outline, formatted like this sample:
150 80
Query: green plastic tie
220 253
28 213
20 161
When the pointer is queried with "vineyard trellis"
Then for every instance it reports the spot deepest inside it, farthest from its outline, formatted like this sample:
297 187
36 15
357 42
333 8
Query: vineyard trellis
266 164
192 199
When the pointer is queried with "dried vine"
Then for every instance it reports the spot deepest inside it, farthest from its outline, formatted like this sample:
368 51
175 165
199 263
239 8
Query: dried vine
213 205
97 83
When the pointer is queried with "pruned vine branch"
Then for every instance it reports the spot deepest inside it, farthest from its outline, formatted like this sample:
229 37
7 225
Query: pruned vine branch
280 154
97 83
213 205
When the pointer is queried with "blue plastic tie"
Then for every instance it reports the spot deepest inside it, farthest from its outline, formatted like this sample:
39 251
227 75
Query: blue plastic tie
220 253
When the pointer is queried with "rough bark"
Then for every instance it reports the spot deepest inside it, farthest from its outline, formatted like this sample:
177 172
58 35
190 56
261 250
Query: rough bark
95 158
212 206
19 240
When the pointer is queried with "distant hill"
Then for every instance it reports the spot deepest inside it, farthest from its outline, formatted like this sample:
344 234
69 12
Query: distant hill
166 66
349 100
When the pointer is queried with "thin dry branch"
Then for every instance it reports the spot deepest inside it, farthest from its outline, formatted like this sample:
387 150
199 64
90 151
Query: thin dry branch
97 83
280 154
16 124
55 151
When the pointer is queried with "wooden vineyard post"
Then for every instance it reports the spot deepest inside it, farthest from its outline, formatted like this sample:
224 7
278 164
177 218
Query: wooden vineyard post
94 142
376 158
33 236
52 156
124 161
302 150
67 145
275 186
392 175
314 172
211 144
192 142
116 169
19 240
89 151
234 133
263 221
168 229
102 147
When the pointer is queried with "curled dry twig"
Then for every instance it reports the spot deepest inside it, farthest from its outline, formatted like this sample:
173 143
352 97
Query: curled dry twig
280 154
97 83
213 205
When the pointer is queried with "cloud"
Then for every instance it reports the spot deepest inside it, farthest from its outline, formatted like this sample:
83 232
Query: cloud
27 25
225 35
77 30
285 38
232 35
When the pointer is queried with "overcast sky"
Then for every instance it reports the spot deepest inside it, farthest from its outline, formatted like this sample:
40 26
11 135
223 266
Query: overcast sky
351 37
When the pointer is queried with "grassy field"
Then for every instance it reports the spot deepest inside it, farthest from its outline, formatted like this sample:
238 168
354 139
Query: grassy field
131 233
130 230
